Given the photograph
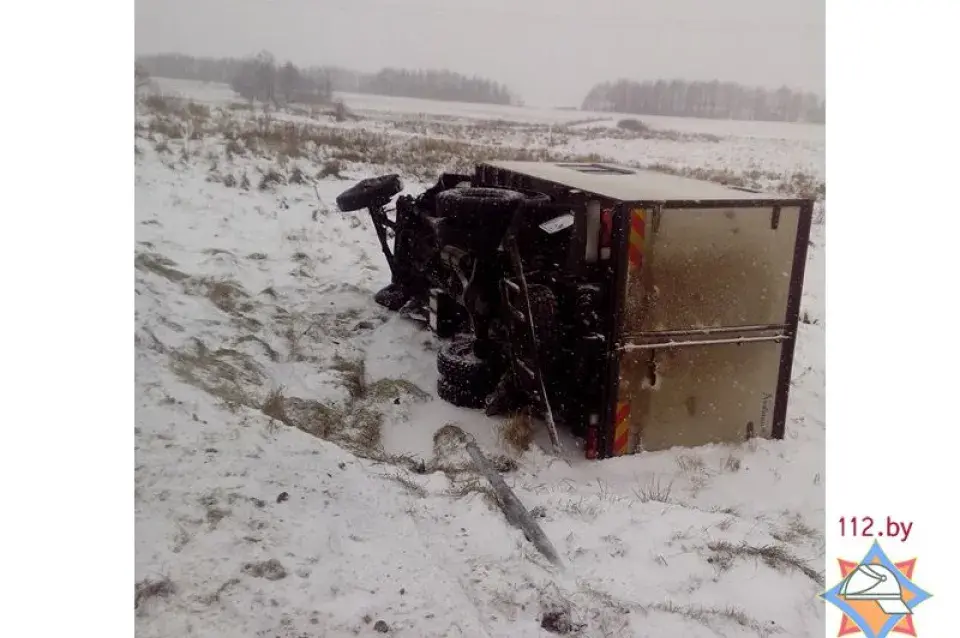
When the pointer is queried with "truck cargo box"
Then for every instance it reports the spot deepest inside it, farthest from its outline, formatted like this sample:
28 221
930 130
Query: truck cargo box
704 284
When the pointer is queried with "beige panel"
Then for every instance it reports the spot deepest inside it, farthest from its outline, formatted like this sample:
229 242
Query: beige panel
696 395
713 267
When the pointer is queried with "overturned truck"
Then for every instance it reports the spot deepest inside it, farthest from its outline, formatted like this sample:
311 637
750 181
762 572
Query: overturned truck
636 309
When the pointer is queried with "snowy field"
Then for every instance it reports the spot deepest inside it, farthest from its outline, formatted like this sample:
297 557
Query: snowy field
210 92
292 474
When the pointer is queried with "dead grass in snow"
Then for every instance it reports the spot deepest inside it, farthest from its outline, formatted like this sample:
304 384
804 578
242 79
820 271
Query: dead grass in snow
149 588
774 556
355 425
159 265
228 374
517 431
793 529
598 601
437 146
654 490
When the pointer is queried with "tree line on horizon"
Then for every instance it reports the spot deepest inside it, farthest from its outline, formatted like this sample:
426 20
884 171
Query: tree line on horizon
712 100
434 85
261 77
258 77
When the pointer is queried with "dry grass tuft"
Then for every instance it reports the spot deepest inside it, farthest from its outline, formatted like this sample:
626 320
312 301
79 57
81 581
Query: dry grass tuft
215 515
794 530
196 110
149 588
364 429
313 417
227 295
159 265
473 486
210 599
271 178
581 507
273 407
412 486
331 168
297 176
232 148
225 373
447 439
270 569
169 129
353 373
272 354
394 390
732 463
690 463
695 470
294 337
355 426
707 615
654 490
774 556
517 431
159 104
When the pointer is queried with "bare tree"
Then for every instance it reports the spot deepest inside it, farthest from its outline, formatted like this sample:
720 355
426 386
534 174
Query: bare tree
256 78
289 82
265 72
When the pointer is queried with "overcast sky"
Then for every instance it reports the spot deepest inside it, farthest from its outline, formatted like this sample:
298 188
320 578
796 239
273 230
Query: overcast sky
550 52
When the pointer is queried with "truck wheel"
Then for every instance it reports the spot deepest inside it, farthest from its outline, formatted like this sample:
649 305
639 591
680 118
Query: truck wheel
392 297
469 204
374 191
457 363
460 394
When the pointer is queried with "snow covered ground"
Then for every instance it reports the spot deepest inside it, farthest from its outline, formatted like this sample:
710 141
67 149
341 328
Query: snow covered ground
771 152
254 298
212 92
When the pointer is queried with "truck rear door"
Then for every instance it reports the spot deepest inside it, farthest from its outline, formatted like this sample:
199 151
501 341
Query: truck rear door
708 307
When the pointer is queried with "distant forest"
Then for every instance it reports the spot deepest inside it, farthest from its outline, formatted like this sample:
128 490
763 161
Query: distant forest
427 84
258 77
714 100
261 77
